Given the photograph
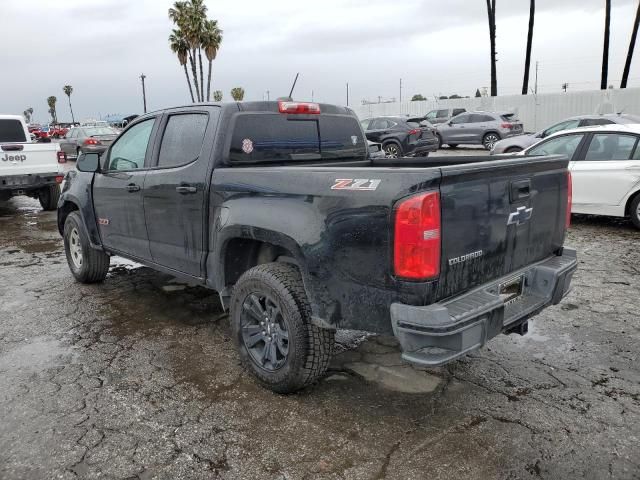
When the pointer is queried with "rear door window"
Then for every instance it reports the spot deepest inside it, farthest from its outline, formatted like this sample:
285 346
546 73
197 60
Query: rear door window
458 111
610 146
11 131
563 145
182 139
590 122
277 138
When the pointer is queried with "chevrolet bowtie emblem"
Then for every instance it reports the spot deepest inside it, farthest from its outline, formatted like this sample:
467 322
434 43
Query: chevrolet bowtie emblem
520 216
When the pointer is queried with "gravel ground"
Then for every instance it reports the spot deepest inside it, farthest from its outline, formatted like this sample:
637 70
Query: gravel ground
137 378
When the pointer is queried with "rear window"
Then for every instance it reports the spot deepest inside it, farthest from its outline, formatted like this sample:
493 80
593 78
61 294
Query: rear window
182 139
277 138
11 131
509 117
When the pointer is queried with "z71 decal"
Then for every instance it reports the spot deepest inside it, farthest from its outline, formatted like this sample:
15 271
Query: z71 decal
359 184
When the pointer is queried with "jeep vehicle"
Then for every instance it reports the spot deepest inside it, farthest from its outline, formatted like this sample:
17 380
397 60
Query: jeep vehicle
26 168
279 208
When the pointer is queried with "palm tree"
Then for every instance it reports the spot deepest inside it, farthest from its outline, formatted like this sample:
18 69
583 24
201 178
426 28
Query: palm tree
180 47
68 90
198 17
237 93
211 40
217 96
181 15
527 61
632 46
491 13
28 114
51 101
605 49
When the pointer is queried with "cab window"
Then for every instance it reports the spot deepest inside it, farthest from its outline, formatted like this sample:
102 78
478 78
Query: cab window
129 151
182 139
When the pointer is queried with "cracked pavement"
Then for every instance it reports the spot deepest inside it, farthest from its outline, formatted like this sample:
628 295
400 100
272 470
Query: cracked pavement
138 378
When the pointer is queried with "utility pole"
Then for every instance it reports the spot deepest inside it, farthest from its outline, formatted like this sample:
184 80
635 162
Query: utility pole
535 89
144 93
565 86
267 95
400 91
347 94
312 95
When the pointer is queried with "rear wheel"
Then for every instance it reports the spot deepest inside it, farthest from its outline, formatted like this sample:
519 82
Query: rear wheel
489 140
439 141
87 264
392 150
634 211
271 326
49 197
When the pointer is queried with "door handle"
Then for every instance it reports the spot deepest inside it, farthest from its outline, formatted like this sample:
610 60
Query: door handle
520 189
185 189
132 187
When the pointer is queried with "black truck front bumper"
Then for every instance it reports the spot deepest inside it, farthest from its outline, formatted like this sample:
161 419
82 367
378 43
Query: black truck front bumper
436 334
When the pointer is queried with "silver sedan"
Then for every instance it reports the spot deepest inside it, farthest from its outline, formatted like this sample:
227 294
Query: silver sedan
87 140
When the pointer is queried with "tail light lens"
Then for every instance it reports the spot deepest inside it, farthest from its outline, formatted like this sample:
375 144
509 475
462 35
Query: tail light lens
415 131
91 141
416 254
62 157
299 107
507 125
569 200
59 178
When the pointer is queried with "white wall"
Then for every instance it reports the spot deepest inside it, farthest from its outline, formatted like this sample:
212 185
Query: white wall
535 111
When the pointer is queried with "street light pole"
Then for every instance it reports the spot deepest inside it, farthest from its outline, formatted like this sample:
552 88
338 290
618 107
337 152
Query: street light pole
347 94
144 93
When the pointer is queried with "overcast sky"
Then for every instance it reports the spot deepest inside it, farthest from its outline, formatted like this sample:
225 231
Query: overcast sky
101 47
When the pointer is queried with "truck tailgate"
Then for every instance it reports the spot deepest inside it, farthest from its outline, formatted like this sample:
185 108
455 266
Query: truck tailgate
499 217
28 158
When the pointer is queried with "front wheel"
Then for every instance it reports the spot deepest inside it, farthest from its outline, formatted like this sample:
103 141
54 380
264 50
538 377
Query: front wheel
272 329
634 211
489 140
49 197
87 264
513 150
392 150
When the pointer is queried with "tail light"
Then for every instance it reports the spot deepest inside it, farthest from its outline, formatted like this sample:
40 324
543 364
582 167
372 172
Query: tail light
59 178
62 157
92 141
507 125
416 254
299 107
569 200
415 131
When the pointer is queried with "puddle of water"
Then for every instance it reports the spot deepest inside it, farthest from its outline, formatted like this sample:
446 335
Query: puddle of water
43 246
40 352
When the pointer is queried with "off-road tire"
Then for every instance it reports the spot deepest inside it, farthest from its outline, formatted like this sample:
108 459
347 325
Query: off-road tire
95 263
634 211
309 347
49 197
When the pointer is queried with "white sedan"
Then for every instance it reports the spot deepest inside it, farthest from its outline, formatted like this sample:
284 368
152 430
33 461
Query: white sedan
605 167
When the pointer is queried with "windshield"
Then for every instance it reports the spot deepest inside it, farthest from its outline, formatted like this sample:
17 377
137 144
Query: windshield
93 131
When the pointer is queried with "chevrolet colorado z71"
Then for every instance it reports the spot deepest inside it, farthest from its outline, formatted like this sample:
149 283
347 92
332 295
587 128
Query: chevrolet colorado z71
27 168
279 208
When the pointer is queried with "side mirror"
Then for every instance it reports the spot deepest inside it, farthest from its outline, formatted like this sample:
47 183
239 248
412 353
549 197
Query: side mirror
88 162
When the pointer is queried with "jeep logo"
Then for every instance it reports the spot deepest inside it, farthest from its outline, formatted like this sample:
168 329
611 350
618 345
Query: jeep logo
13 158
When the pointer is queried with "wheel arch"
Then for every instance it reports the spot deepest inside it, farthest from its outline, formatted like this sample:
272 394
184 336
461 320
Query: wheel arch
630 199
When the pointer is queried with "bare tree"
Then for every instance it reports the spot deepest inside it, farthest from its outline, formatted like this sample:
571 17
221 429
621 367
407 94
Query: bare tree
632 46
527 60
491 13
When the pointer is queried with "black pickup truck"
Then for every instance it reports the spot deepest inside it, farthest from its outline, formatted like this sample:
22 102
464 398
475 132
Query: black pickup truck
279 208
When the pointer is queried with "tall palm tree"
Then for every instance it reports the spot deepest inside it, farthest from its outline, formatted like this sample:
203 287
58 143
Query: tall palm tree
180 47
51 101
491 13
182 14
632 46
198 17
605 49
28 114
237 94
68 90
527 61
211 40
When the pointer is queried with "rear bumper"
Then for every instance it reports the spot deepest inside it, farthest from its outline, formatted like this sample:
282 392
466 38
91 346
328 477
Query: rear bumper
436 334
19 184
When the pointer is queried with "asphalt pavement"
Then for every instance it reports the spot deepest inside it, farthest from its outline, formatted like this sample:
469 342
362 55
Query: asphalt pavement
137 378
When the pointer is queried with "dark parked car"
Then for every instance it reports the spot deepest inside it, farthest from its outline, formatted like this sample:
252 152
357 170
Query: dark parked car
87 139
399 137
520 142
279 208
478 128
